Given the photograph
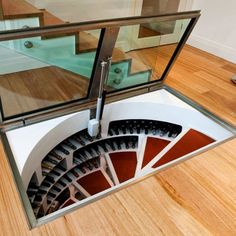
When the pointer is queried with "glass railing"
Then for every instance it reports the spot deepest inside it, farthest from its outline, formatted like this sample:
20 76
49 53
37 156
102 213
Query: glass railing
41 13
140 59
55 66
39 72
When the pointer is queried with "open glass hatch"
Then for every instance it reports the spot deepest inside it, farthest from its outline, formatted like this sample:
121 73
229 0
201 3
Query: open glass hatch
58 81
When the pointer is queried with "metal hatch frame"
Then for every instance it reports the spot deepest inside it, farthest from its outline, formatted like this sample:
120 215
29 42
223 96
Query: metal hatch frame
27 208
90 101
109 30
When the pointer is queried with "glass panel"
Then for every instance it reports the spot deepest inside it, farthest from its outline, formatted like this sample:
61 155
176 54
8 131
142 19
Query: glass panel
156 29
150 7
40 72
153 7
138 60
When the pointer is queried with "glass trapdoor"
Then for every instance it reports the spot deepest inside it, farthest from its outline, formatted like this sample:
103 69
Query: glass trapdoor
45 68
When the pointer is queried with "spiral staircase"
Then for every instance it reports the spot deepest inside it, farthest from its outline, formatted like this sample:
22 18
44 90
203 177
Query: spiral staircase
81 166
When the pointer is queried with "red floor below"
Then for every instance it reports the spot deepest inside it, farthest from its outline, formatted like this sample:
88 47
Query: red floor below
124 164
94 183
153 147
191 141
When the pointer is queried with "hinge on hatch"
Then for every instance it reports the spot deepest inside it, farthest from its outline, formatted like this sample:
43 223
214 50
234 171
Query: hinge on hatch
6 126
9 125
23 121
16 123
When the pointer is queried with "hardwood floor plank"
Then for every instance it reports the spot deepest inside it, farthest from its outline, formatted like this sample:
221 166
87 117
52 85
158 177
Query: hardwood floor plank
38 88
50 19
13 9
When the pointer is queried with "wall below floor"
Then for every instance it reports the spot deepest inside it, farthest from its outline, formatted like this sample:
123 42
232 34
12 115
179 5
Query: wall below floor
216 32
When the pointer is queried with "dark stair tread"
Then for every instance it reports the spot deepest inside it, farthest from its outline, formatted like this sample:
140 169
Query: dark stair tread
190 142
153 147
94 183
125 164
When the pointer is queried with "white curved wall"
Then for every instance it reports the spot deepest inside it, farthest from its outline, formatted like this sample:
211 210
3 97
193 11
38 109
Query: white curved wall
32 143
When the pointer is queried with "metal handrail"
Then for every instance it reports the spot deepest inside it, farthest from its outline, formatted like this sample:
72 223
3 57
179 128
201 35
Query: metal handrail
91 25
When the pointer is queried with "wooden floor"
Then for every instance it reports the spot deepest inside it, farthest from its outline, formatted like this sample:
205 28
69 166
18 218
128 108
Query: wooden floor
197 197
38 88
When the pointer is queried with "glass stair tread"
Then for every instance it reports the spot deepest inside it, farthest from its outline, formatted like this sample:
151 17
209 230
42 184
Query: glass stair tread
13 9
50 19
85 42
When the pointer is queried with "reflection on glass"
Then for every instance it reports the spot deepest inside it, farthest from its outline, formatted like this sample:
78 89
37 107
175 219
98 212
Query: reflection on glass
153 7
150 7
138 60
41 13
155 29
41 71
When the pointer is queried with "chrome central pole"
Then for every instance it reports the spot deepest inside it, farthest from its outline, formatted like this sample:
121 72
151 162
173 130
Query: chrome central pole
94 124
101 89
